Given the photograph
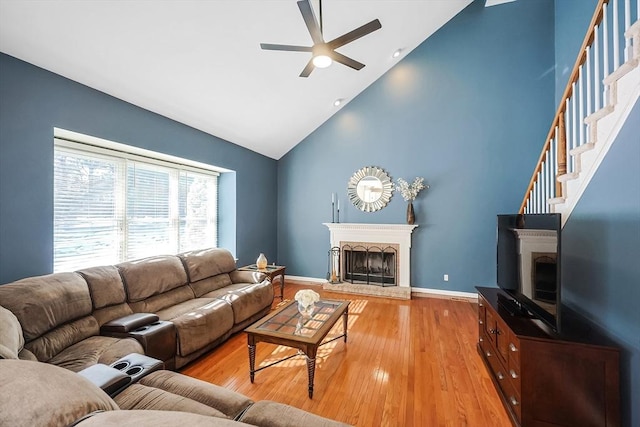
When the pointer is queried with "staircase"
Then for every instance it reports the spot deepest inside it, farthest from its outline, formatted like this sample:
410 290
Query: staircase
601 92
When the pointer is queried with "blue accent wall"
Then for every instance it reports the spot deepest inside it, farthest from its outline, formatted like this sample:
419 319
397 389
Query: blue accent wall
34 101
601 239
468 110
601 256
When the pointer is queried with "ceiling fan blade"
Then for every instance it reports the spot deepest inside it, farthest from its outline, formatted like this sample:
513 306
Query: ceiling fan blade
307 69
311 21
288 47
338 57
355 34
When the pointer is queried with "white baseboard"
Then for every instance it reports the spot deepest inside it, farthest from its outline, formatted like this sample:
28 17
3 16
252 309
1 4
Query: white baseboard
305 279
441 292
426 291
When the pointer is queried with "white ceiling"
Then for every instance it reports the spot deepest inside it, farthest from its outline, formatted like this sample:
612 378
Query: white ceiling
199 61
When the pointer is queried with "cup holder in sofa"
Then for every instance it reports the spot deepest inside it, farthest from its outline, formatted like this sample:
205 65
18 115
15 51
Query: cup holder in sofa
121 366
137 365
142 328
134 370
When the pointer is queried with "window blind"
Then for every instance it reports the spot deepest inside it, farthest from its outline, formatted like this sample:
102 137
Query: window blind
111 207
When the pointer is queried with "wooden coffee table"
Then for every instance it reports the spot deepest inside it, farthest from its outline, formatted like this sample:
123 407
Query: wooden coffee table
286 326
272 271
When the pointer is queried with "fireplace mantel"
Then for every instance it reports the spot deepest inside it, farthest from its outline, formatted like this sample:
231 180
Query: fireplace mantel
392 228
399 234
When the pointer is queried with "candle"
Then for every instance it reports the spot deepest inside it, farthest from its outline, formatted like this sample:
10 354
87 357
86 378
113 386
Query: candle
333 207
338 204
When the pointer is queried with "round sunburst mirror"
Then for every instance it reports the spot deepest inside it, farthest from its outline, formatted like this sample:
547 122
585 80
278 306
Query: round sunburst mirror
370 189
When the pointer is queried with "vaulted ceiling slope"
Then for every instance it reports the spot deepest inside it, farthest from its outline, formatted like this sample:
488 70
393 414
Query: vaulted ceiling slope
199 62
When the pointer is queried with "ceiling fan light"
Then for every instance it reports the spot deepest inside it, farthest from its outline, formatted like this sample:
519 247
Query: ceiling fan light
322 61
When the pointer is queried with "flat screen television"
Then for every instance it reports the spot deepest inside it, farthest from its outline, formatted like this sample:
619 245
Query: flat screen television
528 265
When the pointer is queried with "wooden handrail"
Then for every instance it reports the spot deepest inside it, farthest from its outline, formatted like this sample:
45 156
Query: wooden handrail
558 120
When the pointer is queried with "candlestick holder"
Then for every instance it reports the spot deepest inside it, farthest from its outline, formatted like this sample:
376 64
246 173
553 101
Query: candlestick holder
333 212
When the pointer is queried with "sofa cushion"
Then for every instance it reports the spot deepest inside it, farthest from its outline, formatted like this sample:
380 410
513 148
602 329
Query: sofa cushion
152 418
161 301
198 322
11 339
246 299
202 287
96 349
228 402
107 293
39 394
53 342
112 312
206 263
138 396
246 276
152 276
105 286
272 414
42 303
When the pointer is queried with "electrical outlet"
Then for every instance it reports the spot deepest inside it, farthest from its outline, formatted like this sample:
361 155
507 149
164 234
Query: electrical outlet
446 277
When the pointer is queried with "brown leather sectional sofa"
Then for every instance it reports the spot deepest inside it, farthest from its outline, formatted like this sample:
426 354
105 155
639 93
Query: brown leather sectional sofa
100 314
137 317
40 394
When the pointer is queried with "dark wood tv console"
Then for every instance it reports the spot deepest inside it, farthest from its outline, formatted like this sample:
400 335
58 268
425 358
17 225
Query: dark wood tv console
546 379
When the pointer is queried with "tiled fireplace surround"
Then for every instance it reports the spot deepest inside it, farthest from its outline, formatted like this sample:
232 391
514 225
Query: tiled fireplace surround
398 235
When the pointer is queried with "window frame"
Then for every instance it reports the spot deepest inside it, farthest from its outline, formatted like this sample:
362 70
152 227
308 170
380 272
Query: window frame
72 142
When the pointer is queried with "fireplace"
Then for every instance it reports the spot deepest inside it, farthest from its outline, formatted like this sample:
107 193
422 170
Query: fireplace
537 250
543 276
372 259
370 264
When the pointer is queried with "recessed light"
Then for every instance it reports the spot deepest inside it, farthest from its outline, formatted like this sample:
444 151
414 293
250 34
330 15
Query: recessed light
396 53
338 102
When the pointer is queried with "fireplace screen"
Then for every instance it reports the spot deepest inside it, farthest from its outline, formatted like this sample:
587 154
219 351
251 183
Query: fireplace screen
372 265
543 276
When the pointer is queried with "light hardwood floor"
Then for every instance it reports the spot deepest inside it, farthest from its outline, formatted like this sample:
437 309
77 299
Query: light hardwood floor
406 363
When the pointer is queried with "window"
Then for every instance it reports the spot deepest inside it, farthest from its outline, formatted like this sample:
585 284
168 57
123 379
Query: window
111 206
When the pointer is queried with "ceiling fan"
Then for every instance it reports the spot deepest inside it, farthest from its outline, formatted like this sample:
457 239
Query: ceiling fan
324 53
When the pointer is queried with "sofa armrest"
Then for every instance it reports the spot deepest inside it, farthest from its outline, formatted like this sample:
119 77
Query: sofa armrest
129 323
158 338
266 412
109 379
242 276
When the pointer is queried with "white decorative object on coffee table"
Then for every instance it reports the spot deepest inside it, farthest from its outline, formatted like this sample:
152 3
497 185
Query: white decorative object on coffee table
306 299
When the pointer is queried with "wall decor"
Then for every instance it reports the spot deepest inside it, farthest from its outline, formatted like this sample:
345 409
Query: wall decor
409 194
370 189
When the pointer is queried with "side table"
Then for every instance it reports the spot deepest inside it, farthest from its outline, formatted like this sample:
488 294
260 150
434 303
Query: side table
272 271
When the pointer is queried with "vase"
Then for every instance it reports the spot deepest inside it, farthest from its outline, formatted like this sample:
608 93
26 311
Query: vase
306 310
261 262
411 217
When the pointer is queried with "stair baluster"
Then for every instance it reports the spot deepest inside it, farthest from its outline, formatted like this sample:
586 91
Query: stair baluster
591 95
